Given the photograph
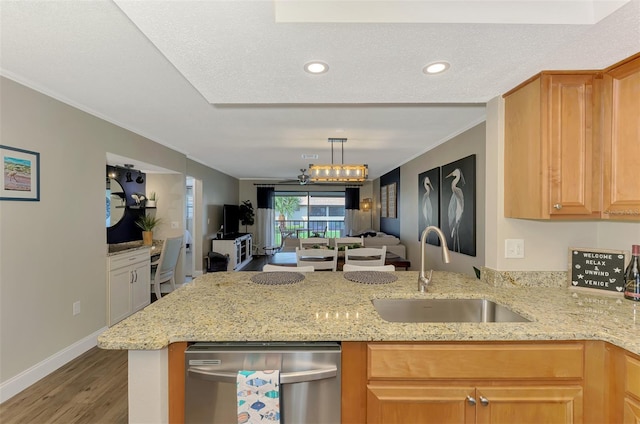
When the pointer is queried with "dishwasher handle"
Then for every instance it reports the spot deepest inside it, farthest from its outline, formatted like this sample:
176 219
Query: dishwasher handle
285 378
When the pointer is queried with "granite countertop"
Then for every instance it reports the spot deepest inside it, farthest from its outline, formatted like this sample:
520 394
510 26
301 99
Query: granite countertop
120 248
228 306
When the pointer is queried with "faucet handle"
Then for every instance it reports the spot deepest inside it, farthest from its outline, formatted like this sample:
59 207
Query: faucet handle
423 281
424 278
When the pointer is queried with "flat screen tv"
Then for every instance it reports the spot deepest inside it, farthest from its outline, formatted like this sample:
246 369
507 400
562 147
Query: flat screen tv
230 219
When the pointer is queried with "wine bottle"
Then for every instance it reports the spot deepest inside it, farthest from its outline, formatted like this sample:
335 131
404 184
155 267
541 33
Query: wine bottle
632 275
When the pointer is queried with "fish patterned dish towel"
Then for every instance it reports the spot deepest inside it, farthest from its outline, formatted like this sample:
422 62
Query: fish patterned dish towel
258 396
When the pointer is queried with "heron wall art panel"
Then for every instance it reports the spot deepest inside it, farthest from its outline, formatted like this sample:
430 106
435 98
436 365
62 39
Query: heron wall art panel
458 205
429 203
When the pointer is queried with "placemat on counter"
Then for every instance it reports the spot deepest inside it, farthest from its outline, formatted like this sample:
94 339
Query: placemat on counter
370 277
278 277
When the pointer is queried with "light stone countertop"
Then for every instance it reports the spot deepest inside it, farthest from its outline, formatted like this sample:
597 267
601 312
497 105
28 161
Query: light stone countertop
120 248
228 306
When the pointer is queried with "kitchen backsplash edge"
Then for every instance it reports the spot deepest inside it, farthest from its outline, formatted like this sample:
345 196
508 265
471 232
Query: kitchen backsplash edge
505 279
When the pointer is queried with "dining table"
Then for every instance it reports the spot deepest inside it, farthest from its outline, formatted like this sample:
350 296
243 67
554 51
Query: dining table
289 259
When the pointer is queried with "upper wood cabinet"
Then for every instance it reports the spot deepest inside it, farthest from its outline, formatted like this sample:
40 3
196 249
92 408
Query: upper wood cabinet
551 161
621 141
572 145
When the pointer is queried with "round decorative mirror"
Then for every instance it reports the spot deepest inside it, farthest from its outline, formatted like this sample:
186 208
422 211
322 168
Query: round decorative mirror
116 203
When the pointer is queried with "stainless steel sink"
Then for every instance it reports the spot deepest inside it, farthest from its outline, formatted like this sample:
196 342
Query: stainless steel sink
444 310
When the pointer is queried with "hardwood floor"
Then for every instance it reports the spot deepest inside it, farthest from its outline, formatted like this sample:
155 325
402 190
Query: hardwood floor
256 263
91 389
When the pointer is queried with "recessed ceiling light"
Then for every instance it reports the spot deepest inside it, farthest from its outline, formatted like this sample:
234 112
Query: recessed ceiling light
316 67
309 156
436 67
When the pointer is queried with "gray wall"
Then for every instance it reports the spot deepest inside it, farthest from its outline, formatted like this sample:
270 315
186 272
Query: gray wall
469 142
53 252
212 190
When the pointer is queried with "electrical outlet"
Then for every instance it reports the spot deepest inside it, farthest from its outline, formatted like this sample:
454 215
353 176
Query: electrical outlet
76 308
514 248
175 225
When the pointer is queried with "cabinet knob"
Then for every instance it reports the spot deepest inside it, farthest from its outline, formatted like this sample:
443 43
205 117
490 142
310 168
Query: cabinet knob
471 400
484 401
557 206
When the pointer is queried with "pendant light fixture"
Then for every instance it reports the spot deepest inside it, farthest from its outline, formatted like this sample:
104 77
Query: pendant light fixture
338 172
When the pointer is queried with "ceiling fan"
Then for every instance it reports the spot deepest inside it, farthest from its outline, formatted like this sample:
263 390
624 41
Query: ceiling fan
302 179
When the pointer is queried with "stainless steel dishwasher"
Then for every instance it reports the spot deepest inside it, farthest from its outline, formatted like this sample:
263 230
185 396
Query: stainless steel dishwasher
309 379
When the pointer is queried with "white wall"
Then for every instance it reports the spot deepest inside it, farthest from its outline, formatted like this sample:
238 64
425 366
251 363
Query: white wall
171 192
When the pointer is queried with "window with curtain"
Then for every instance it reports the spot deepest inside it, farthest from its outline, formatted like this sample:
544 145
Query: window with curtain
310 213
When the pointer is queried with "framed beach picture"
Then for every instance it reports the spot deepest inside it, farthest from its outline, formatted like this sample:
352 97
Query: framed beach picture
20 174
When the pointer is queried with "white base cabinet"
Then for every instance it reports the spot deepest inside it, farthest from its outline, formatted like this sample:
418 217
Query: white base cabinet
239 250
128 286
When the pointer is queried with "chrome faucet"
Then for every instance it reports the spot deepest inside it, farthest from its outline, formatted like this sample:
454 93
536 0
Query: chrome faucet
423 280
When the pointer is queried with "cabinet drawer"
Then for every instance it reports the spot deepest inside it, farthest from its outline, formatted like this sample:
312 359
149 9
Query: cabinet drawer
633 377
475 361
128 258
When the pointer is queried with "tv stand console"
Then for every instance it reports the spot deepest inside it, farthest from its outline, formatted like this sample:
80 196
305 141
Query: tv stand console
238 249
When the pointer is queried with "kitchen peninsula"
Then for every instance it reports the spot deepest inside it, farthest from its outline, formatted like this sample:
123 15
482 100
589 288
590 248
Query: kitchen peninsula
327 307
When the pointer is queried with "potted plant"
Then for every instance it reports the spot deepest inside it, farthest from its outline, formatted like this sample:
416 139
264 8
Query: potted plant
246 214
147 223
151 200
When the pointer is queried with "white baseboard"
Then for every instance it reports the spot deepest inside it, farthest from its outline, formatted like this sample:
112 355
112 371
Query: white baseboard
197 273
18 383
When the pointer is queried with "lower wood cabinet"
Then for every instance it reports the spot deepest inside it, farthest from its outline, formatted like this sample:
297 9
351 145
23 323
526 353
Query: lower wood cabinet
395 403
632 391
128 287
492 382
524 403
631 411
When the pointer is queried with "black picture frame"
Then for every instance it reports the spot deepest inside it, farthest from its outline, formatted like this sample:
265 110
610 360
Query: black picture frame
429 203
20 174
458 205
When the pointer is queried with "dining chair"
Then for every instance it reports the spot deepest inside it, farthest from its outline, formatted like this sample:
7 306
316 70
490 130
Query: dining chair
164 269
281 268
320 233
318 258
368 256
306 243
347 241
383 268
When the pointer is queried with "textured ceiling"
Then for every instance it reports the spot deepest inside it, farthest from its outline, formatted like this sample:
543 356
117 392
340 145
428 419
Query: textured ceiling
223 81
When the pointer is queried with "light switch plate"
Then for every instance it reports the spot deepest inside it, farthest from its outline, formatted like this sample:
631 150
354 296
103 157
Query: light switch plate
514 248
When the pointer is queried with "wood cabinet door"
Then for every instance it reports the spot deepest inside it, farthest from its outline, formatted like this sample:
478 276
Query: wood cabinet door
141 286
621 142
631 411
567 131
403 404
523 161
551 166
529 405
119 294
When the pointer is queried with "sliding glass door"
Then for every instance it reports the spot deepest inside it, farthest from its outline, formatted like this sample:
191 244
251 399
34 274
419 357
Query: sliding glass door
305 214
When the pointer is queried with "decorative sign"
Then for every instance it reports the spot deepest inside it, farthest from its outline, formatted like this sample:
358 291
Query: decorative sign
597 269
